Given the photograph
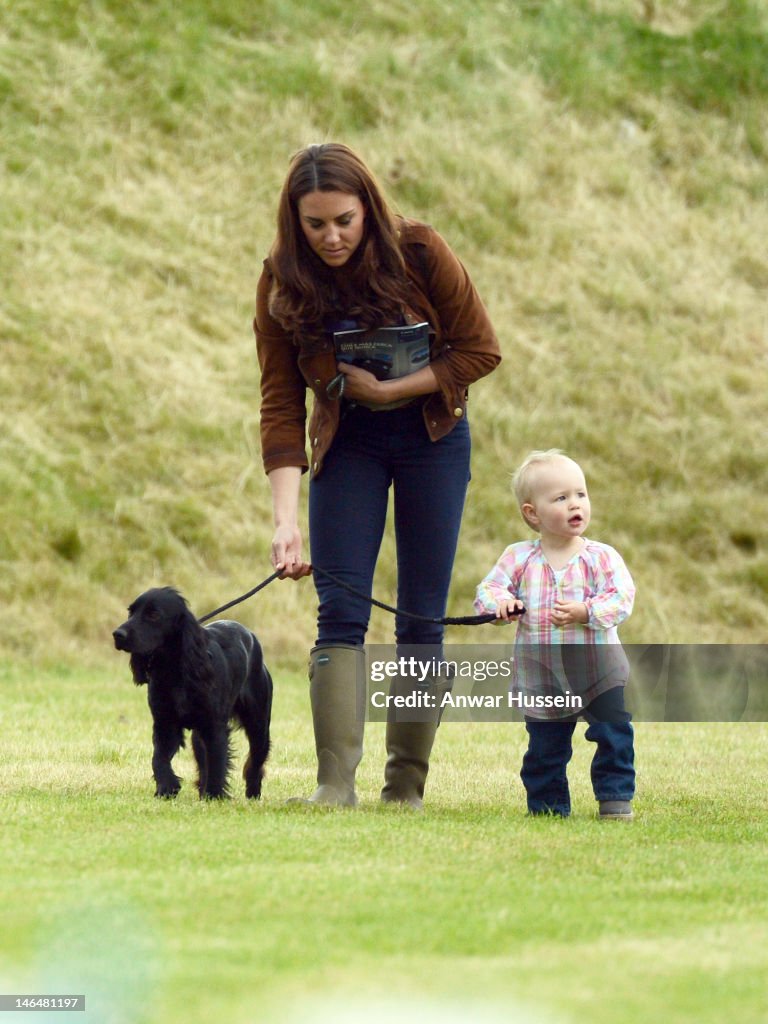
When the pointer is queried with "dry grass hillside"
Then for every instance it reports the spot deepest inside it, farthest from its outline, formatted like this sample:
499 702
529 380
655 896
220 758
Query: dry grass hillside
601 166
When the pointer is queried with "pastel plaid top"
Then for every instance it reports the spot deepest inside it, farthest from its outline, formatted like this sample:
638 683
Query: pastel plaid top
595 575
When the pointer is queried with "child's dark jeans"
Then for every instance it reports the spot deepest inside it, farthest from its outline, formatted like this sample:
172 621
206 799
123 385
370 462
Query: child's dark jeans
549 751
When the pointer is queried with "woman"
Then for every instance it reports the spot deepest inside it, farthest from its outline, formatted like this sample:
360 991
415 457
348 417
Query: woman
342 262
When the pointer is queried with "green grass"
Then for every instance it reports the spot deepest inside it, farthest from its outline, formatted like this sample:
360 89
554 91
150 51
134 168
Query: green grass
184 911
603 59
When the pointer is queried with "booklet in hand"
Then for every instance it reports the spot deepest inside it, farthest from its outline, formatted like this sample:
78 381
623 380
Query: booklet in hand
386 352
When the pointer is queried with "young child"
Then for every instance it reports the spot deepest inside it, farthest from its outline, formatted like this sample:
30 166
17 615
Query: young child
575 592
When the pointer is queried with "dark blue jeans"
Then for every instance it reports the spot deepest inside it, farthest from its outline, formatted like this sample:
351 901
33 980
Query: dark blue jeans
347 514
550 749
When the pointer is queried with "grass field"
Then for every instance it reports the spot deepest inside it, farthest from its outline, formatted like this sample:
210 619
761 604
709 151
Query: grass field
191 912
601 166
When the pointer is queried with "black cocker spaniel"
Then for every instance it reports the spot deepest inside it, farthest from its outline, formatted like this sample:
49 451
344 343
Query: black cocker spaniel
198 678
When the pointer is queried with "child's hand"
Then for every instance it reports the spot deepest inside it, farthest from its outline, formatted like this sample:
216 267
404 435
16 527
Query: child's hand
567 612
507 610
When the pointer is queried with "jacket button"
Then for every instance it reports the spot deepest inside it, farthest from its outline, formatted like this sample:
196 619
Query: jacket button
317 382
314 467
458 413
314 443
434 423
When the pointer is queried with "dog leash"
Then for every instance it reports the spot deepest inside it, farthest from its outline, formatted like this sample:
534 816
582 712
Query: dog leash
243 597
447 620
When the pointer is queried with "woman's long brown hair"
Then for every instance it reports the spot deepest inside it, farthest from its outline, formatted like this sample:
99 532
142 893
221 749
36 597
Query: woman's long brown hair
303 294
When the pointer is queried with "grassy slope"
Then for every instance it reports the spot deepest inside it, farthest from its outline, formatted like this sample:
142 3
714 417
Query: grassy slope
604 179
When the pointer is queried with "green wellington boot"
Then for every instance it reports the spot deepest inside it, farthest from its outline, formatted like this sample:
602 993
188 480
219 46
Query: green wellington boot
409 738
337 696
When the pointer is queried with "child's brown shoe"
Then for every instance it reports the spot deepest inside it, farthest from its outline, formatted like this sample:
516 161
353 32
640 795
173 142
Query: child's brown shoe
616 810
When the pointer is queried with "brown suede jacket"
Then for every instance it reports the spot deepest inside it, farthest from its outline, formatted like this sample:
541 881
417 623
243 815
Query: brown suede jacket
464 348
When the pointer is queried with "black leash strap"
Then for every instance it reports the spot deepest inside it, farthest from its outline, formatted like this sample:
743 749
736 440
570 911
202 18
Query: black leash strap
239 600
460 620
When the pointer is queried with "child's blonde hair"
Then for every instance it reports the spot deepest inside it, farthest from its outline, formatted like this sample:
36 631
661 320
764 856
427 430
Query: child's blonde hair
521 478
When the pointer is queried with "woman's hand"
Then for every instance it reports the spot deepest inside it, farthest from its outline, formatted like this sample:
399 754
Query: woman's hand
286 553
361 385
286 542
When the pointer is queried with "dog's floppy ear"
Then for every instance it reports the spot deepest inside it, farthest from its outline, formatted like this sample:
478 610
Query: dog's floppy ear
140 668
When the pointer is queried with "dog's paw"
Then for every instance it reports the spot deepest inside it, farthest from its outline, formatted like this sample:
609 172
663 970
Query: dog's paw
167 792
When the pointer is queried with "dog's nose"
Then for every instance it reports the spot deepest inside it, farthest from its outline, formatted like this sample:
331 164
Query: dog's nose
120 637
